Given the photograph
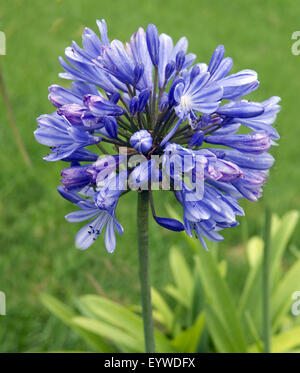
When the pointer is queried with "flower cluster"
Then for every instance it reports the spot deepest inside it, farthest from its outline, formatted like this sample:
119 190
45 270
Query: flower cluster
148 97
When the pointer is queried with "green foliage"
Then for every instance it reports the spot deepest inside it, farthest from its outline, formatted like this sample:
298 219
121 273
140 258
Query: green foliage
233 327
197 312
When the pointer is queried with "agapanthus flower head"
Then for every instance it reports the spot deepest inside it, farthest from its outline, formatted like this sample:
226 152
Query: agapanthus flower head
170 124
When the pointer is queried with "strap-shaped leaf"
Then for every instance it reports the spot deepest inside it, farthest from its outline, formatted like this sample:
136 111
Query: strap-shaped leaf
182 275
279 241
114 334
113 314
161 307
220 299
66 315
282 297
187 341
287 341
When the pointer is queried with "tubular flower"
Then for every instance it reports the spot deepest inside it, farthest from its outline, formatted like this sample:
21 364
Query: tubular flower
150 109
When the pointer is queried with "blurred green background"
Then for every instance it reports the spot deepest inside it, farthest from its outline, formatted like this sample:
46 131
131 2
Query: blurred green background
37 250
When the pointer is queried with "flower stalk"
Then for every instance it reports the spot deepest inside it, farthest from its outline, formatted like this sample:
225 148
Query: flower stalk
143 248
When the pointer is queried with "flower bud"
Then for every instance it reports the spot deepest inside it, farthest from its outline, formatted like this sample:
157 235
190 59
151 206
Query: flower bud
180 59
141 141
164 102
152 38
133 105
170 68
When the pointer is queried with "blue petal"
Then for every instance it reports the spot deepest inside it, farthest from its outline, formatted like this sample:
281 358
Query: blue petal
81 215
110 236
90 232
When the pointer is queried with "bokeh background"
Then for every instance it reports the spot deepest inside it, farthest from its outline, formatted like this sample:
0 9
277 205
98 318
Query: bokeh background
37 252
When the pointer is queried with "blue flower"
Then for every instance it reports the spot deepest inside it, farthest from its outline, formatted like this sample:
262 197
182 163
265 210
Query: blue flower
63 138
100 207
197 95
151 111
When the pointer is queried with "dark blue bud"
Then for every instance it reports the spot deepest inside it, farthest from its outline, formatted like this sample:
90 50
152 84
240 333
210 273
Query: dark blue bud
196 139
111 126
133 105
164 102
194 72
170 68
143 99
168 223
138 72
74 163
152 38
180 59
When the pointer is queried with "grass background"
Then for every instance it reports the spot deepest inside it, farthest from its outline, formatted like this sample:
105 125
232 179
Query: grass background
36 244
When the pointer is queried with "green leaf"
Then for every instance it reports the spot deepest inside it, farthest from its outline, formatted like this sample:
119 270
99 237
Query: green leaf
162 309
105 330
254 251
114 314
187 341
279 241
66 315
286 341
254 332
220 299
282 297
124 320
223 268
177 295
219 334
251 299
56 307
198 296
182 275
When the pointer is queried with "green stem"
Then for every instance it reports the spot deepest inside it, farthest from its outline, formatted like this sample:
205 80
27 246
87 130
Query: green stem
142 224
266 285
101 147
